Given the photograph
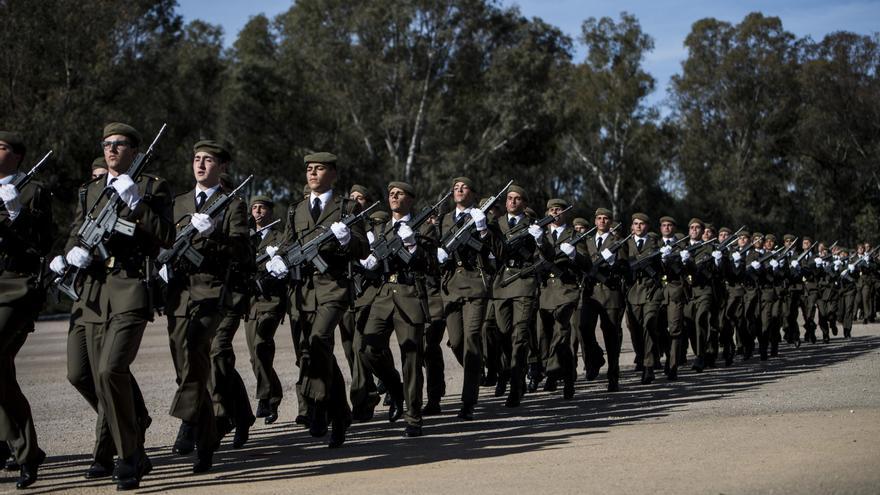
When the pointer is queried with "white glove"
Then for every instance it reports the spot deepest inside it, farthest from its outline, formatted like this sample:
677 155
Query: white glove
9 195
276 267
78 257
202 223
717 255
406 234
795 263
608 255
342 232
369 262
736 257
271 250
665 251
851 267
164 273
479 219
774 264
371 237
127 190
819 261
866 258
685 255
755 265
568 249
442 255
58 264
837 264
536 232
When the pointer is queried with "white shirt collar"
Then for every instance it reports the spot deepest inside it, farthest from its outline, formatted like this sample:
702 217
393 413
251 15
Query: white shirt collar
559 228
406 218
324 197
637 238
209 192
517 217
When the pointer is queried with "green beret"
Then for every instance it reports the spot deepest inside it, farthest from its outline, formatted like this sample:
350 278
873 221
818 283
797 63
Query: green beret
669 220
557 202
757 236
807 238
14 141
725 229
709 226
99 163
745 233
379 216
603 211
788 237
530 212
219 149
696 221
357 188
640 216
123 130
266 200
321 157
770 237
464 180
514 188
580 221
403 186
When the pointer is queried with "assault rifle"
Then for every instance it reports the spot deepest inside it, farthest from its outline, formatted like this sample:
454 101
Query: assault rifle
387 247
464 236
543 265
22 180
515 240
254 233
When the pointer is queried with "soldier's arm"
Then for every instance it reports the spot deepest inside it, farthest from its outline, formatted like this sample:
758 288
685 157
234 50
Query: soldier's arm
153 214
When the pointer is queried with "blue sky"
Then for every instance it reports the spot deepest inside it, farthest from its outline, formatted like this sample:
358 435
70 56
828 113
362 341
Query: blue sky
667 21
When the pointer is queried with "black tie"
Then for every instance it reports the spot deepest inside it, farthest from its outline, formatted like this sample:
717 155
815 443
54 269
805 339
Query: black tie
458 216
599 243
555 235
668 242
316 209
639 244
200 200
511 222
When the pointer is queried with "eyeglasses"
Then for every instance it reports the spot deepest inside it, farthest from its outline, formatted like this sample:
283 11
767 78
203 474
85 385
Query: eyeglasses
115 144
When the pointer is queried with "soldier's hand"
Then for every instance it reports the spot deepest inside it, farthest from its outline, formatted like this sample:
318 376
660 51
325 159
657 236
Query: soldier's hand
479 219
371 237
568 249
736 257
442 255
537 232
851 267
165 273
78 257
369 262
342 232
58 265
755 265
127 190
795 263
271 250
819 261
202 223
608 256
665 251
9 195
685 255
276 267
717 255
774 264
406 234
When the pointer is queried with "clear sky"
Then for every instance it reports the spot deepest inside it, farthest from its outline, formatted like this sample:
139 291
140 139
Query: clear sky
667 21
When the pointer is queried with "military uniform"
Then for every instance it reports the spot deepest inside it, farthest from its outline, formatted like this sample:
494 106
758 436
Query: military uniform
700 270
672 310
644 298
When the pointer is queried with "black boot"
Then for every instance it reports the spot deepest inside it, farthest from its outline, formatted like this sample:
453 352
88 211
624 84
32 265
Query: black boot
132 470
185 442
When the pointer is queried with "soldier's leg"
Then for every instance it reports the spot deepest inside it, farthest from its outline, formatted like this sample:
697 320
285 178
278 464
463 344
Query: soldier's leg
612 334
296 335
675 330
232 404
849 310
702 327
634 321
16 422
260 332
409 338
347 329
489 344
363 392
593 354
322 378
648 314
504 320
375 353
473 313
810 306
434 365
453 313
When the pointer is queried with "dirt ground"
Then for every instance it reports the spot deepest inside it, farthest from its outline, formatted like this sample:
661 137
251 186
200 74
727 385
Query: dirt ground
807 422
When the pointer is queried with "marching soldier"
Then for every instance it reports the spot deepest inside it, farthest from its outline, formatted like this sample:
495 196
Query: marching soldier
27 231
673 298
734 326
198 299
435 377
792 293
700 268
644 295
827 264
267 307
99 167
752 297
847 283
117 299
322 298
400 306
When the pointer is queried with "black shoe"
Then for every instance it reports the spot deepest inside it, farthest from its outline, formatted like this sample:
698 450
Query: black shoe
826 339
699 365
431 408
466 413
847 334
797 343
594 367
613 385
302 419
204 461
533 384
337 435
395 412
11 465
501 387
568 389
812 338
318 426
747 354
224 427
672 374
263 408
412 431
28 472
99 469
366 411
242 434
647 376
490 380
185 442
513 399
550 385
381 389
834 331
763 354
273 414
130 472
387 401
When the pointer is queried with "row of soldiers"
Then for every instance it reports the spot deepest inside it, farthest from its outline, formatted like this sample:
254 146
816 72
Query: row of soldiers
518 296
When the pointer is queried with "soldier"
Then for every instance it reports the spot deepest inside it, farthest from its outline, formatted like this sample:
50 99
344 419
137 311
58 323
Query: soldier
734 324
559 292
514 303
435 377
644 295
792 293
401 306
267 307
117 300
848 288
581 225
604 300
465 288
810 274
198 299
827 265
752 297
27 231
322 298
99 167
700 267
673 298
866 282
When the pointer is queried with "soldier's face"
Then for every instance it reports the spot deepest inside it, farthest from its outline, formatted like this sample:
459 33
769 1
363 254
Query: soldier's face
787 242
602 223
360 198
708 234
98 172
639 227
860 250
9 160
462 194
667 229
556 211
320 177
514 204
118 152
695 231
768 244
580 228
261 212
399 201
805 244
823 250
207 169
723 236
743 241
